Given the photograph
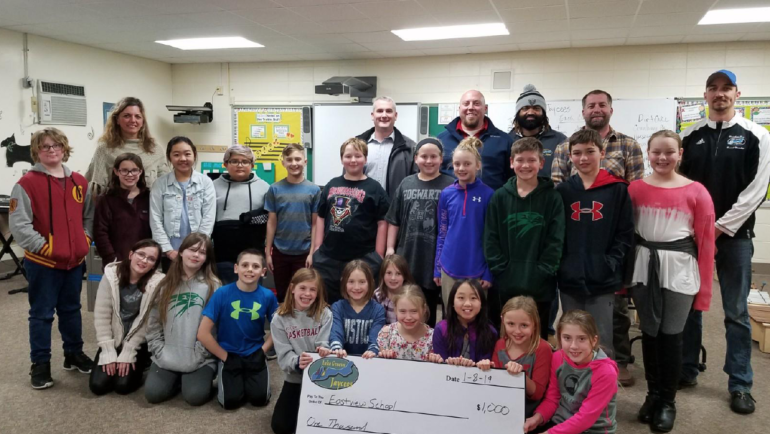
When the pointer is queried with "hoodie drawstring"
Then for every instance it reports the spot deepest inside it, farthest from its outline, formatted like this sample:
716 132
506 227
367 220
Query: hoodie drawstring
227 195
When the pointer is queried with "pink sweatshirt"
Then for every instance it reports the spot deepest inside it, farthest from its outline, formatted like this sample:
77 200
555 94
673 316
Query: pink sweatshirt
581 398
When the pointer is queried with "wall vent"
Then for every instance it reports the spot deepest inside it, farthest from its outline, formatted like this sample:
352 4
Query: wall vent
62 104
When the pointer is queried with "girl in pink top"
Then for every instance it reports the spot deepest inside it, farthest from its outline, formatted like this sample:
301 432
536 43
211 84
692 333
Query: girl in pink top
673 267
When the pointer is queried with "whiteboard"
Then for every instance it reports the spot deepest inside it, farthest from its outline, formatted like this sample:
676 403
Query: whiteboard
383 396
638 118
335 123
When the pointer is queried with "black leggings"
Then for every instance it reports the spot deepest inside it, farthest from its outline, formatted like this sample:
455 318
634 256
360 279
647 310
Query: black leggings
243 378
100 383
286 409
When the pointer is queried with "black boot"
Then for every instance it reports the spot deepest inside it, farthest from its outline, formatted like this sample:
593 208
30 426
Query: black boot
650 359
670 368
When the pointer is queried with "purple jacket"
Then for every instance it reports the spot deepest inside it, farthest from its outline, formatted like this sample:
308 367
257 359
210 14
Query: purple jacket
441 343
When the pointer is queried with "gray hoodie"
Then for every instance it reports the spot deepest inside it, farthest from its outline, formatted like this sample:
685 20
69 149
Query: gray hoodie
175 346
235 198
298 333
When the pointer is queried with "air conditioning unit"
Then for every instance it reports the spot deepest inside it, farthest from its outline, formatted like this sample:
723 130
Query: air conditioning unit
61 104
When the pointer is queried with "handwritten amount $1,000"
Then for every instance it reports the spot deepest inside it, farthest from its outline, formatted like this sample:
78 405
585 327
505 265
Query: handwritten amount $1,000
492 408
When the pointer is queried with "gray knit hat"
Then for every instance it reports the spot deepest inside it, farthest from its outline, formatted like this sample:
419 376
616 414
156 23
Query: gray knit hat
530 96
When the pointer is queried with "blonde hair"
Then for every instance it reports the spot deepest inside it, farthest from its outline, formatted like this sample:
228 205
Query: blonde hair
113 137
292 147
358 144
528 305
352 266
582 319
414 294
318 306
36 143
665 134
470 144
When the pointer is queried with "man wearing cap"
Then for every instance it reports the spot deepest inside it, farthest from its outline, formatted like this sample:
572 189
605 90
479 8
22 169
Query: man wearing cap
473 121
623 158
532 121
390 152
730 156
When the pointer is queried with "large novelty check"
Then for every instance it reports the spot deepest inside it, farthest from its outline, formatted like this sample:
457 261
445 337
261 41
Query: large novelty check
379 396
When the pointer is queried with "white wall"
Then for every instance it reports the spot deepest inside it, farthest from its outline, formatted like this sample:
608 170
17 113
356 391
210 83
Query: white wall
660 71
107 77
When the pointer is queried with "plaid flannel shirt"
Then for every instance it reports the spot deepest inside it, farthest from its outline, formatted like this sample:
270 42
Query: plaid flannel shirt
623 158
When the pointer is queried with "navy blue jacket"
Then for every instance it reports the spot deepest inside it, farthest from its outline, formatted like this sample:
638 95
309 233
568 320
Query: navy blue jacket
495 155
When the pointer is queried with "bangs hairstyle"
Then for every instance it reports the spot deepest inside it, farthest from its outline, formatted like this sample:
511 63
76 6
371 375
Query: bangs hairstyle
358 144
293 147
252 251
124 268
243 151
485 338
113 137
414 294
597 92
666 134
180 139
527 144
352 266
528 305
318 306
114 187
399 262
175 277
582 319
469 144
36 143
586 136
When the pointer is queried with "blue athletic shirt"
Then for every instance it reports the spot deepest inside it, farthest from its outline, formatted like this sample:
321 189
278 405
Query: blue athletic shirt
240 317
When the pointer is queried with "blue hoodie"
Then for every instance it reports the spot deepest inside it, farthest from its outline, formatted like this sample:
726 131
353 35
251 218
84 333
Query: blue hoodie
495 155
460 243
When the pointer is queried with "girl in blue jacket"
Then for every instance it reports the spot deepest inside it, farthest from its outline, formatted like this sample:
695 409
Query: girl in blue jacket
462 208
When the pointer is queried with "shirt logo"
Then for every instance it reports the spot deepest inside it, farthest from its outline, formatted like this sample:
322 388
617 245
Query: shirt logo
594 211
736 141
237 310
523 222
547 152
476 199
12 206
185 301
77 193
700 142
340 210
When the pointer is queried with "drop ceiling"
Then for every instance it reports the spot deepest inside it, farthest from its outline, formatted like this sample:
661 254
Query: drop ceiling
360 29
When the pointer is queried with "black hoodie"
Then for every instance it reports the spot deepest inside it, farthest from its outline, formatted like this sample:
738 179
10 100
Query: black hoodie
599 234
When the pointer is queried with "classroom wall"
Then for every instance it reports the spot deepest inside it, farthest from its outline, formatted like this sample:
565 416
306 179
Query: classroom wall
107 77
656 71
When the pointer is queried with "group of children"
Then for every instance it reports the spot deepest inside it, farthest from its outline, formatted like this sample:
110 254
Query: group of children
482 248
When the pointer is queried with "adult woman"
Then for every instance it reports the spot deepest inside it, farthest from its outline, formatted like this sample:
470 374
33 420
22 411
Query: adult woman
241 219
120 318
181 202
126 131
123 214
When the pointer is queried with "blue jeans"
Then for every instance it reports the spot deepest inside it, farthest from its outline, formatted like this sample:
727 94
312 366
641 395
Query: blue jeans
53 290
733 261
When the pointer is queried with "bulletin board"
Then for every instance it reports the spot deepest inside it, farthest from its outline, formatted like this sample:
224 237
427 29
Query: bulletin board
267 131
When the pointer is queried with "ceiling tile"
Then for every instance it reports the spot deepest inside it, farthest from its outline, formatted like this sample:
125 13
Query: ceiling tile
173 7
518 4
231 5
37 15
444 18
598 42
329 13
446 51
578 35
605 9
494 48
544 45
455 6
402 53
724 28
352 26
669 6
651 40
657 31
592 23
382 10
722 37
382 36
538 26
539 13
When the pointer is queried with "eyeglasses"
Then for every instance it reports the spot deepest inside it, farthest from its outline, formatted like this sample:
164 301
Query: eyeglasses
132 172
240 162
55 147
145 258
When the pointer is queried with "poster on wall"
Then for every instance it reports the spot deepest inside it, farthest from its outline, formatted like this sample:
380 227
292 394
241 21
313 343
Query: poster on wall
267 131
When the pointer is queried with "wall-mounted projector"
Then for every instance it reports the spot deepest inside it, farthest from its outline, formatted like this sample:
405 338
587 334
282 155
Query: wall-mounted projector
363 88
192 114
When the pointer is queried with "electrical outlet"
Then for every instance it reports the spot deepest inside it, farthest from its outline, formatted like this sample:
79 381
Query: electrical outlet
219 90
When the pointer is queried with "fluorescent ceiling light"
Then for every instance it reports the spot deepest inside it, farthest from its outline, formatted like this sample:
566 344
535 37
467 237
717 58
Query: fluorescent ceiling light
736 16
211 43
452 32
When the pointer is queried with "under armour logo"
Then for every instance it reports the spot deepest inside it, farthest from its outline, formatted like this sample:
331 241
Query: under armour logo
476 199
594 211
237 309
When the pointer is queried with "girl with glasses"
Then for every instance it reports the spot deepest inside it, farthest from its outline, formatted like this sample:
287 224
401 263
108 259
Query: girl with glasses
123 214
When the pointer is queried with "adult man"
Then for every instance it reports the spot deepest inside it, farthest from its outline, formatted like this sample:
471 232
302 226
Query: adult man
623 158
473 121
532 121
730 156
390 157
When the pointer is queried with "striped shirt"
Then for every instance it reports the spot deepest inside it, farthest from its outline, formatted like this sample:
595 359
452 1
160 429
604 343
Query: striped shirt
623 158
294 205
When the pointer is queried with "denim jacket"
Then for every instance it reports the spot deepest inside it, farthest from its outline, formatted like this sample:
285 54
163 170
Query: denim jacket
166 207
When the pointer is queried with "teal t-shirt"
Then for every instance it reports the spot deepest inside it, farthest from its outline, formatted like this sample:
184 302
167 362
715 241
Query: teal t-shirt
240 317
